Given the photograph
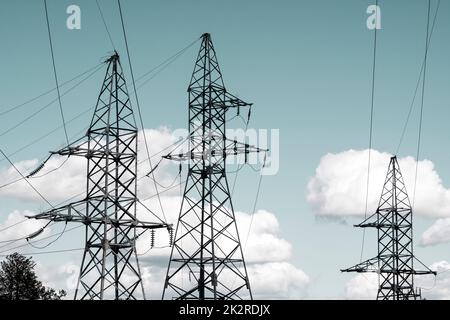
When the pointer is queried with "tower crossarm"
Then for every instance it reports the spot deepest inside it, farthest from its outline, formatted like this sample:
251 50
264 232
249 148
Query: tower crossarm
98 148
76 212
232 101
370 265
232 148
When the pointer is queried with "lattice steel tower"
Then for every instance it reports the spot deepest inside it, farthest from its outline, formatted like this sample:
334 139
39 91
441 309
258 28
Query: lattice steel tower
395 260
206 261
110 266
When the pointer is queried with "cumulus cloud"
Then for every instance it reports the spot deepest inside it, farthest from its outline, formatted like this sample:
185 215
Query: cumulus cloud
267 254
438 233
16 226
278 280
365 286
436 288
59 277
272 275
263 244
63 178
338 188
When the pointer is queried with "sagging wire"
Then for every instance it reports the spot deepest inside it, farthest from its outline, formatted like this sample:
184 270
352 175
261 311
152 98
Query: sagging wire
39 240
138 104
26 180
372 107
51 242
16 107
170 184
105 25
27 237
55 73
246 128
33 173
253 210
411 107
48 105
48 252
39 168
51 171
153 240
13 225
258 190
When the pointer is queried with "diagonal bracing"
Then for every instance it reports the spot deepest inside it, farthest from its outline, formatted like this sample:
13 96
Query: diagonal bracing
207 261
395 260
110 267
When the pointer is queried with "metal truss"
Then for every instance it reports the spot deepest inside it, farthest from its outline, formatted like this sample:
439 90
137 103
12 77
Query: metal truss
110 266
395 260
206 261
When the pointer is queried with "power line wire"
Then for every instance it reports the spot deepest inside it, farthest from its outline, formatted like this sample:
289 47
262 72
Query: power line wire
42 239
67 122
47 105
13 225
20 105
95 69
106 26
371 126
168 60
23 177
138 106
419 139
55 73
258 191
166 65
51 242
411 107
48 252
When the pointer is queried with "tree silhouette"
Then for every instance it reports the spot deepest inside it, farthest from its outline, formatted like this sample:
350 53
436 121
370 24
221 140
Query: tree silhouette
18 281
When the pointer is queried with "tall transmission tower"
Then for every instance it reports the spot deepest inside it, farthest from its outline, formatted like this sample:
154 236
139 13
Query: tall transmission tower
395 260
206 262
110 266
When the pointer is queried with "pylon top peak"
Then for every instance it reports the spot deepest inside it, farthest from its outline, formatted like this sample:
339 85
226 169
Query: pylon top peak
114 57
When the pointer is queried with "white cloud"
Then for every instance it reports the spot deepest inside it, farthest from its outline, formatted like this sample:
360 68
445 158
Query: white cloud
271 274
438 233
55 186
58 184
264 243
21 230
363 286
61 276
338 187
267 254
277 280
436 288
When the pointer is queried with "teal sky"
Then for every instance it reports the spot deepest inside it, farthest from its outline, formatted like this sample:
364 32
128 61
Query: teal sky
306 65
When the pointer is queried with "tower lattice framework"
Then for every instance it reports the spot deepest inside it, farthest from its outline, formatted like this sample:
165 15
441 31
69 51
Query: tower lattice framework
207 261
110 266
395 260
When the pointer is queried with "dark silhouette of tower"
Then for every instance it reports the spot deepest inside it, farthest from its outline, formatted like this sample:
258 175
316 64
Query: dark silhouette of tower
206 261
395 260
110 266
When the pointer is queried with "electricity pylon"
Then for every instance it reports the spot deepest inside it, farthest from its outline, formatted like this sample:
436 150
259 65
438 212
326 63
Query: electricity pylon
110 266
206 262
395 260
